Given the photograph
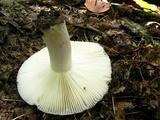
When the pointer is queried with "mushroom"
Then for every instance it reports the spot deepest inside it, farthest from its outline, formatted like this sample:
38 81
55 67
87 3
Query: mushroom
66 77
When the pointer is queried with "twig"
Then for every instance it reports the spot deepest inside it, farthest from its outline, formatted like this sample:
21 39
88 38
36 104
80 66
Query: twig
114 110
86 39
90 28
22 115
141 74
11 100
108 117
87 112
131 113
126 97
93 29
75 117
97 118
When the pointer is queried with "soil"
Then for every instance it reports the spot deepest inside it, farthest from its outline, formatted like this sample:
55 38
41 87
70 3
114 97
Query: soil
132 44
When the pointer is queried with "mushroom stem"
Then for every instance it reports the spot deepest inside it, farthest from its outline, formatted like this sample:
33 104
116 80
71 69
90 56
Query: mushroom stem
58 43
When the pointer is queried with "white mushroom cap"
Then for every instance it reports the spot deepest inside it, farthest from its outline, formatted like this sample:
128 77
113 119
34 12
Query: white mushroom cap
73 91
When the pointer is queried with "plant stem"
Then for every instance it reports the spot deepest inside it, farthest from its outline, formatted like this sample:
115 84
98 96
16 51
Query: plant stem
58 43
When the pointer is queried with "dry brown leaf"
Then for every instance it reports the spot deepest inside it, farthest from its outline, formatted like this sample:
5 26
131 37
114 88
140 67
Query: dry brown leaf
120 109
158 10
144 51
97 6
121 89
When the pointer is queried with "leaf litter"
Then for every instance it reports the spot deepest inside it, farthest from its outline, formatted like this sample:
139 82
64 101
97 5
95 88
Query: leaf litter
134 91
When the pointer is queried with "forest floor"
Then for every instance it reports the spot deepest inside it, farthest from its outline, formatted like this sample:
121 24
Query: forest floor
132 45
